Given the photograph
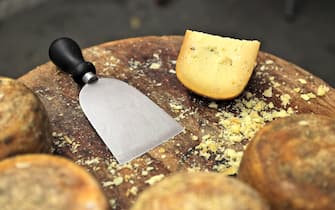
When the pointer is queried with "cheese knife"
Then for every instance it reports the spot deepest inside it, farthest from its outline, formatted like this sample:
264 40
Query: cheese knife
128 122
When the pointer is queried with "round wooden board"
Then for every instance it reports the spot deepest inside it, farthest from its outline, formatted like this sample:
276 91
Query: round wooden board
148 64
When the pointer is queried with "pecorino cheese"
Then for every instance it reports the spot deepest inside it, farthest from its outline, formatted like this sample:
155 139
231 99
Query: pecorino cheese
24 124
216 67
290 162
46 182
199 191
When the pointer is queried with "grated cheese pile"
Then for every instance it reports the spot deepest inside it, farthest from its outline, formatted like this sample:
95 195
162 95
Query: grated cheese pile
251 114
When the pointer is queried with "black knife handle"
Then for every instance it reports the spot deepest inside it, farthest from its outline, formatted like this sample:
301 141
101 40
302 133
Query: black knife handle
66 54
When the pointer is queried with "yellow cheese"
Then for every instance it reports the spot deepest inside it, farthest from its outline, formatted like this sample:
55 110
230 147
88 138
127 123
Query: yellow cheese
216 67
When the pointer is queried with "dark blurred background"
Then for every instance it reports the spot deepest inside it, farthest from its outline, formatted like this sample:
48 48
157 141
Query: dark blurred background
300 31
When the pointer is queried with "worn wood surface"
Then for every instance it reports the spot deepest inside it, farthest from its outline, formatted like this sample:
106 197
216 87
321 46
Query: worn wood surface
209 141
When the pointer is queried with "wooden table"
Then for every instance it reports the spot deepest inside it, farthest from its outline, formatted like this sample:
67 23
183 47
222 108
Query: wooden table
277 88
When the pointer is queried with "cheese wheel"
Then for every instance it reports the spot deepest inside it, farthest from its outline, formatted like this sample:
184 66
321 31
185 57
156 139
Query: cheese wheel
46 182
24 124
199 191
291 163
216 67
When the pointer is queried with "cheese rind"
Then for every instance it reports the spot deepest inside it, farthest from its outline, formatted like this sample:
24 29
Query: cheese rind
199 190
216 67
41 182
296 154
24 123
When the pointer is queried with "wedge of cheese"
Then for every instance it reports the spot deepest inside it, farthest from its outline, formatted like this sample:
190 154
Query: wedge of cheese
216 67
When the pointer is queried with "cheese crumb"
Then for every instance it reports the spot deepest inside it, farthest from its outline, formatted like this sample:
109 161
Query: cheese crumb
269 61
144 173
107 183
249 95
175 106
268 92
92 161
275 84
194 138
308 96
133 190
133 64
68 139
172 71
297 90
205 137
322 90
285 99
204 154
302 81
213 105
280 114
234 159
155 55
117 181
112 203
155 66
155 179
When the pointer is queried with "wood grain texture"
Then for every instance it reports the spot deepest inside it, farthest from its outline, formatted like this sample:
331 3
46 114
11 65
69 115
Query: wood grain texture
148 64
